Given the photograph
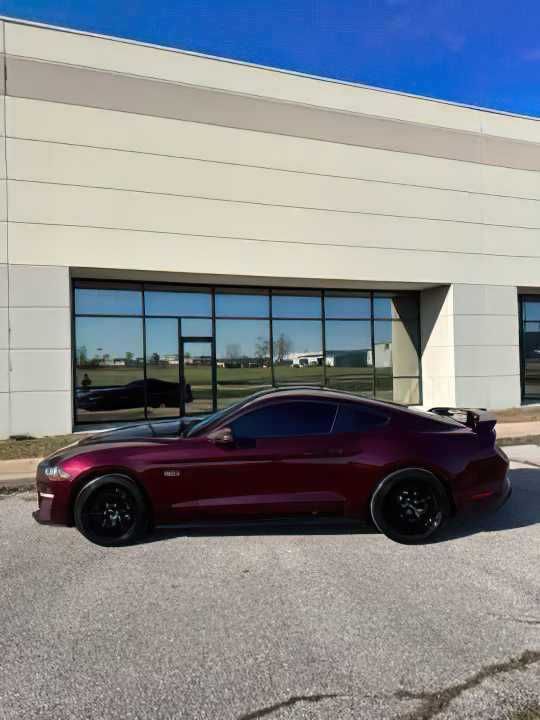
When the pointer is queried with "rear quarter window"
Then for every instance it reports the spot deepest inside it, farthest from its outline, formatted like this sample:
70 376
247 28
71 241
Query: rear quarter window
353 419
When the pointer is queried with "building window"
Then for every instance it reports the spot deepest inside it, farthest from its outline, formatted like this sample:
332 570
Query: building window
242 359
146 351
530 348
109 374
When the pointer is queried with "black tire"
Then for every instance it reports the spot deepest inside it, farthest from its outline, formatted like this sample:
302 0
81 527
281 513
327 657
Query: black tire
111 511
409 506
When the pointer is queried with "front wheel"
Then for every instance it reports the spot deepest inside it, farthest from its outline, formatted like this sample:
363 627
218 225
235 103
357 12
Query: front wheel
111 511
409 506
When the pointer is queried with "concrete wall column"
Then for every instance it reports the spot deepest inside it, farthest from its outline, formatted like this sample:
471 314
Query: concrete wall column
470 346
4 352
437 346
486 339
40 350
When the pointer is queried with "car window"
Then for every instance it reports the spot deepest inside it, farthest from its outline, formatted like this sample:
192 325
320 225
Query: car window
287 419
352 418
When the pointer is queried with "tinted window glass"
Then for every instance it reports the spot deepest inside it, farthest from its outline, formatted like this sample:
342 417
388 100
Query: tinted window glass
286 420
298 355
196 328
242 305
349 356
296 306
162 368
243 358
109 369
531 309
108 302
178 303
357 419
343 306
396 307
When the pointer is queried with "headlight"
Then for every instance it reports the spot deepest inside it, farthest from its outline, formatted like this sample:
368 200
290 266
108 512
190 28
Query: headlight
55 472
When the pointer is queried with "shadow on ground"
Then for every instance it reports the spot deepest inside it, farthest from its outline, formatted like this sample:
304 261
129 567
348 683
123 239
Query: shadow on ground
521 510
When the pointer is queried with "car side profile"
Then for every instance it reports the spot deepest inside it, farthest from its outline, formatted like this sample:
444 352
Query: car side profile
285 453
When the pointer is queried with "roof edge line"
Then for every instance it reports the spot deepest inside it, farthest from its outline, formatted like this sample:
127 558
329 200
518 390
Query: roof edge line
267 68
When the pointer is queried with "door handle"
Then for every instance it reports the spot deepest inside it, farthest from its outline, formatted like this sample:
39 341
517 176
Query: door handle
337 452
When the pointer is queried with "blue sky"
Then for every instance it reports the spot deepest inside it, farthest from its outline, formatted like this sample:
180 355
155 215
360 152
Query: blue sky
479 52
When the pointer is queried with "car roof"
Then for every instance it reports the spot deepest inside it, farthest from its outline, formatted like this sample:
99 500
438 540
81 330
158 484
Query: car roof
320 393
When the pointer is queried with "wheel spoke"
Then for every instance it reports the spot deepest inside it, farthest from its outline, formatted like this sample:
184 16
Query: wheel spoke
110 512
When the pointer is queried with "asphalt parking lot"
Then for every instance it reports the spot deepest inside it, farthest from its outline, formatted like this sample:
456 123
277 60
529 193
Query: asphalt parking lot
285 624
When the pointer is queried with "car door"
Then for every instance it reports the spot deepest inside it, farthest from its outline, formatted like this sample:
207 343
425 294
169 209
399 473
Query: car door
355 452
274 465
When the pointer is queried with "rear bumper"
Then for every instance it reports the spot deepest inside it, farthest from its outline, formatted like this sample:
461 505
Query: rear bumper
489 500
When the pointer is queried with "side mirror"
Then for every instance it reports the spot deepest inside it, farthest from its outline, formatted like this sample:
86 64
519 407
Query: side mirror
223 436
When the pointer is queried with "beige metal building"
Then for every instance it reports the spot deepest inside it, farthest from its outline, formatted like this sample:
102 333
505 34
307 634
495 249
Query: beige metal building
173 220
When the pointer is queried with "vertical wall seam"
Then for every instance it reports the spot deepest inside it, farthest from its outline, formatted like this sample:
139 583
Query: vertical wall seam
8 279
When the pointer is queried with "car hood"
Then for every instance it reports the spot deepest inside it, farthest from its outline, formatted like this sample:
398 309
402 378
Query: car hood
139 433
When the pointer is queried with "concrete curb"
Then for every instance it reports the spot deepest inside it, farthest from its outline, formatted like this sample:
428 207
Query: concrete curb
18 474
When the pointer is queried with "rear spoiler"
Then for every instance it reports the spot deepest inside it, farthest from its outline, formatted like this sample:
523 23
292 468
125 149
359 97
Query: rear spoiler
478 419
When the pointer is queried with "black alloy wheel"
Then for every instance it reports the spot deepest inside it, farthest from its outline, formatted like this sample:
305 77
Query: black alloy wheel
409 507
111 511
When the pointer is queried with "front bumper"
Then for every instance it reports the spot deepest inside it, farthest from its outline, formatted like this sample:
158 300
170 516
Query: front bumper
53 501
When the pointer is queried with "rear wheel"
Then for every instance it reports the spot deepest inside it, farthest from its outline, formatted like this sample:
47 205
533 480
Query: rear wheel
111 511
409 506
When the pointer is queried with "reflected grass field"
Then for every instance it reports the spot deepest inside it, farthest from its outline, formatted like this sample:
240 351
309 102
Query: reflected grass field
355 379
233 384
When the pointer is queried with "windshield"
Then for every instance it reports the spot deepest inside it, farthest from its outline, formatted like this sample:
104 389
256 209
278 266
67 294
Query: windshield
200 426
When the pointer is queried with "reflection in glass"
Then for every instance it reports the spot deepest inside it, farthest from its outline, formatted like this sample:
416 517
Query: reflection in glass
396 307
243 358
531 359
89 301
341 305
173 304
109 369
404 390
196 328
349 362
162 368
297 352
198 395
396 355
242 305
531 309
296 306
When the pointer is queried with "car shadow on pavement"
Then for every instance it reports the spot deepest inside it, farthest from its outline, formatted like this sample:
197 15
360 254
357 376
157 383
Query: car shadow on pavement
521 510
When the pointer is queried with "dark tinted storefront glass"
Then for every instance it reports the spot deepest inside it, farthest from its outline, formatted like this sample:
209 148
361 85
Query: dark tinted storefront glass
396 355
242 358
395 307
242 305
193 327
349 361
111 356
341 305
296 306
297 352
98 301
162 368
531 309
109 369
174 304
531 360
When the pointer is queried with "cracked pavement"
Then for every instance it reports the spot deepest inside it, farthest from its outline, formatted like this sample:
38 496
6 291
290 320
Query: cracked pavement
280 625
